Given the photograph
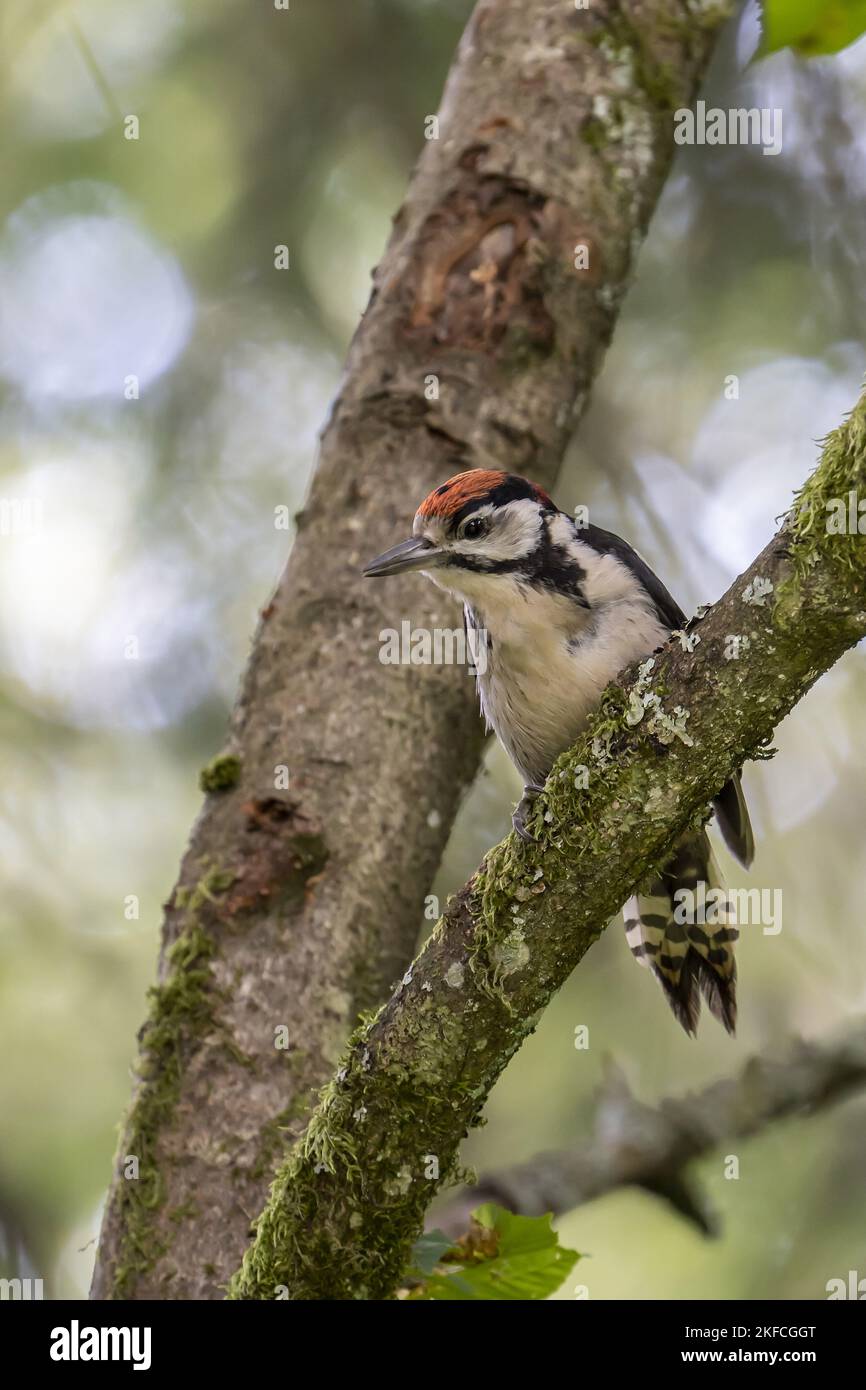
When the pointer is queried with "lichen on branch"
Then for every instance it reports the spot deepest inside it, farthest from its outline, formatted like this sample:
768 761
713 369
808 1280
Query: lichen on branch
346 1206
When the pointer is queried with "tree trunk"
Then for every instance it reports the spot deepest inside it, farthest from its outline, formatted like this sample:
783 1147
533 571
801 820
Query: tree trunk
297 906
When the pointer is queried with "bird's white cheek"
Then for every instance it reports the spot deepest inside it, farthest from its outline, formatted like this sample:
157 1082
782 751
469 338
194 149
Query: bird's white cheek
436 577
446 579
462 585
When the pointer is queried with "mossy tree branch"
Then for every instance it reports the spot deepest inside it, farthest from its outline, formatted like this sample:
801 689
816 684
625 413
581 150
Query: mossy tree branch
346 1206
296 907
651 1146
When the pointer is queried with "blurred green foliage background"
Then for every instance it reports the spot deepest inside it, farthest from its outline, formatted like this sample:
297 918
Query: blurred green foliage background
139 542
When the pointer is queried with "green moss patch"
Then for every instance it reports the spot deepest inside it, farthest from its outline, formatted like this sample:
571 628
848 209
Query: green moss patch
221 774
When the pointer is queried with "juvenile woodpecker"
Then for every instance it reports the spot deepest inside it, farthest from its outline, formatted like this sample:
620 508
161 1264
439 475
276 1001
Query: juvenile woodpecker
564 609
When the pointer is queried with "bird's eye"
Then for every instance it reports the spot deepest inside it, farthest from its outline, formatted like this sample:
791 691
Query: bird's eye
474 528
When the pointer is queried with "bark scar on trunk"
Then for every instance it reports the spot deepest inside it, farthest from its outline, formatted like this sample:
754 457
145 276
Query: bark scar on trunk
483 281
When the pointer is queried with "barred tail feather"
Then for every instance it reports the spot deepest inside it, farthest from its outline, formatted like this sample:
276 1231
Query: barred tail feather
690 958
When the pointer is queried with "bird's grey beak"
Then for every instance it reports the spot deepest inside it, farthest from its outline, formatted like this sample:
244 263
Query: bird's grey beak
414 554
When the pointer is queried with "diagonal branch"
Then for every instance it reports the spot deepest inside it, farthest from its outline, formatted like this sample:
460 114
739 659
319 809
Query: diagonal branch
638 1145
346 1206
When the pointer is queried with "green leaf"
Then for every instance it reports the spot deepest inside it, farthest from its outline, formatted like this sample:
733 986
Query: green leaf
428 1251
504 1257
811 27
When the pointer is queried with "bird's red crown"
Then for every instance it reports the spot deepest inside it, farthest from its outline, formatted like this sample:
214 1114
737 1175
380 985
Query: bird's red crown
476 485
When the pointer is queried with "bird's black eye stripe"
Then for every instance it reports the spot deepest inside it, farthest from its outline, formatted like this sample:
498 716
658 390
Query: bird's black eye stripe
474 528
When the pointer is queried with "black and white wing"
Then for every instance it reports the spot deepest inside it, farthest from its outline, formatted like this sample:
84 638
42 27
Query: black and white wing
730 807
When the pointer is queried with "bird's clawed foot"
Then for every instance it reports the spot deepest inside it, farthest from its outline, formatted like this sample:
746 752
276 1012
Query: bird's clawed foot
524 809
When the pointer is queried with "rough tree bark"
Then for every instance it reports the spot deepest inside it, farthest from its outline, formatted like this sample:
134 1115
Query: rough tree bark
299 907
348 1203
637 1145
